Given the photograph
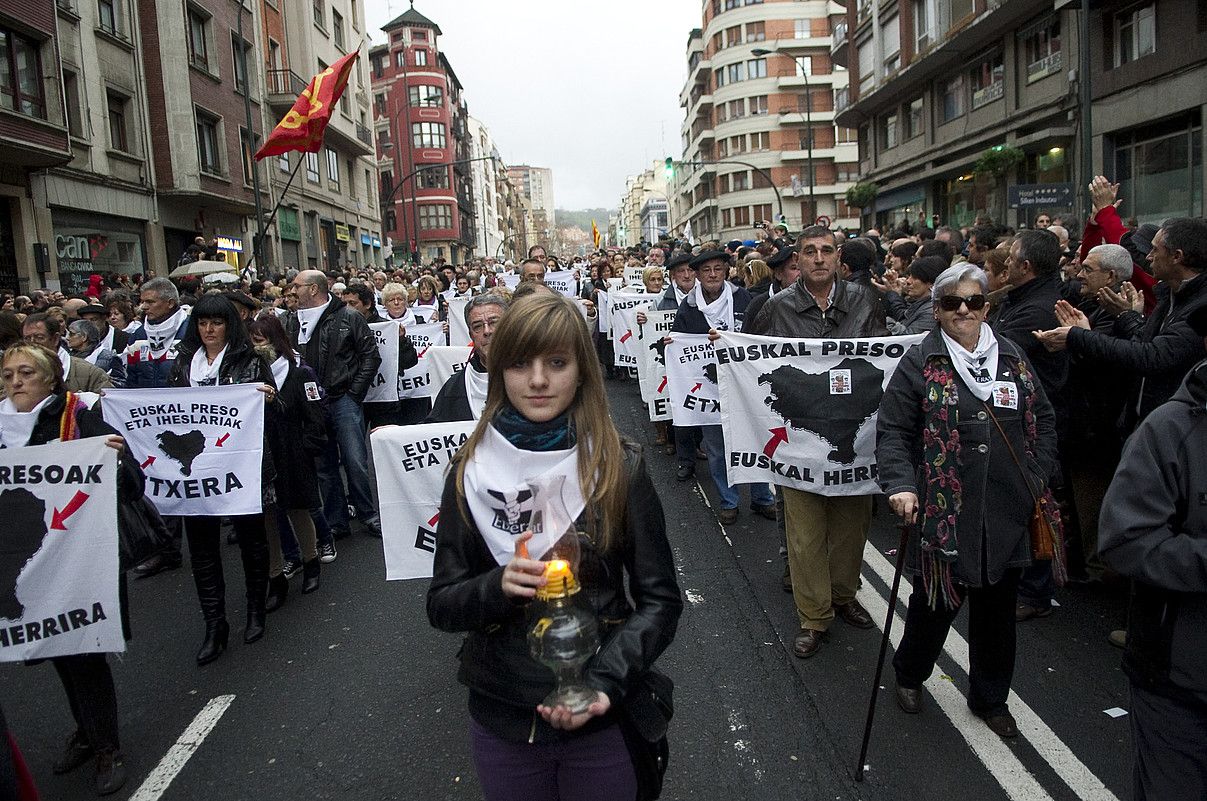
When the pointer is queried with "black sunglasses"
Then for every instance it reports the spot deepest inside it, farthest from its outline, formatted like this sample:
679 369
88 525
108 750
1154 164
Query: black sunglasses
953 302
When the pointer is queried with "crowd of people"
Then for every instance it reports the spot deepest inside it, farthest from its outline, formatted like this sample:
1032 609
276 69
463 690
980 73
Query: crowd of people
1057 378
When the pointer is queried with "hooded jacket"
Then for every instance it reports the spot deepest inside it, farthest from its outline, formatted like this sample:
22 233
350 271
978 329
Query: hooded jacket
1153 529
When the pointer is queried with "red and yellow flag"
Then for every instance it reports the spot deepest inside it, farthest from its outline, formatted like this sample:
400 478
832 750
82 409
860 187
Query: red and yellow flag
595 234
302 127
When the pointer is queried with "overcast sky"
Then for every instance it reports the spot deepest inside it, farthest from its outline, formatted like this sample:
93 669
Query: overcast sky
587 88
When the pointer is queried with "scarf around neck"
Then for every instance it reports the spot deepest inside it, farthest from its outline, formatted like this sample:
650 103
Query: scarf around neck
406 320
203 373
161 336
280 370
476 386
65 360
308 320
719 313
17 427
978 367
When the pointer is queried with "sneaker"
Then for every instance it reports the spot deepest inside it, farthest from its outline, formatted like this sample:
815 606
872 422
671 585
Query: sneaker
110 772
292 566
327 553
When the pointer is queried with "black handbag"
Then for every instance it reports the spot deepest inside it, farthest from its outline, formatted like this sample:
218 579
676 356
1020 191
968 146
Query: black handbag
645 717
141 532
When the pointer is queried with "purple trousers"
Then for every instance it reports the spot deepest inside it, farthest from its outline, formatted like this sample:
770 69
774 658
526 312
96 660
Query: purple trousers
594 767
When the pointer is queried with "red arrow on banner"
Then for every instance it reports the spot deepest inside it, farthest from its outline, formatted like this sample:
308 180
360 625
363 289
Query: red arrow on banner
425 350
778 437
223 438
627 336
58 518
435 519
696 387
150 461
662 386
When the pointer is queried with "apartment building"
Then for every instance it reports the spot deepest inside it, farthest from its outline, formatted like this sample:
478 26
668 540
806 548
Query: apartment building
488 173
644 212
423 140
329 216
536 184
759 139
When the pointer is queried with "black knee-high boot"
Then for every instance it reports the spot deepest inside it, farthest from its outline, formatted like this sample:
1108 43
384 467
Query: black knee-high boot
253 547
211 588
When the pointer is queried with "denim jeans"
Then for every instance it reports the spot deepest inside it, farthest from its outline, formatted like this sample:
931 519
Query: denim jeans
714 446
347 444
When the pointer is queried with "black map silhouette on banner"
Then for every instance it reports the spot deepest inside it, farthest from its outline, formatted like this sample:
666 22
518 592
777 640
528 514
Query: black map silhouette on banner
24 516
184 448
804 401
659 348
710 372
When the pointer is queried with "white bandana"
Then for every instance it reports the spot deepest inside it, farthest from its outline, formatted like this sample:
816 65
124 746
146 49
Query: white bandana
475 389
105 345
977 368
680 295
162 335
307 319
132 327
201 372
17 427
504 485
407 320
280 369
719 313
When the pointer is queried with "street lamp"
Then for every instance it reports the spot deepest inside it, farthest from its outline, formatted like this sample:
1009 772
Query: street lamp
760 51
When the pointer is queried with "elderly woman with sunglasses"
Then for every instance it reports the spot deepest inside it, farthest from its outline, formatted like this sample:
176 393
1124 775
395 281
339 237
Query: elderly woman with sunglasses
965 442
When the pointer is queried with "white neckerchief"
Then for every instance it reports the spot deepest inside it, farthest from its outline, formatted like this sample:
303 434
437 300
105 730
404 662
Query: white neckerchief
280 369
132 326
978 367
680 295
719 313
65 360
407 320
162 335
104 345
17 427
476 385
502 488
201 372
307 319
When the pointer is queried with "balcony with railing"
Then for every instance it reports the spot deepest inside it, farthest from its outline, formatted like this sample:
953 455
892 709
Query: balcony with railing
284 86
839 44
364 134
842 99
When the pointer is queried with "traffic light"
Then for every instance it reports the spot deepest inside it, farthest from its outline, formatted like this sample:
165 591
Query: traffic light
670 168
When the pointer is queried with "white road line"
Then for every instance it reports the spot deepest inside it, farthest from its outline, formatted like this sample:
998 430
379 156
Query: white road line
173 761
1072 771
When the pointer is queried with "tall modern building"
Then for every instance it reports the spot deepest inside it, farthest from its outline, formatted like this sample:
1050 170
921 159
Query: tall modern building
536 184
759 138
423 140
330 216
488 172
644 210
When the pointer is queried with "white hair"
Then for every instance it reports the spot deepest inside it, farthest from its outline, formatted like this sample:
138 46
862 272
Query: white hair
1114 258
957 274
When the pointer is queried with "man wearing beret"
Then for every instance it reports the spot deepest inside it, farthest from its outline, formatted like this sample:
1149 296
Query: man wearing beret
785 270
716 304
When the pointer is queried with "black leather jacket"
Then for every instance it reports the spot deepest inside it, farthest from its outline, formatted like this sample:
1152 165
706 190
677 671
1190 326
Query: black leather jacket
505 682
342 350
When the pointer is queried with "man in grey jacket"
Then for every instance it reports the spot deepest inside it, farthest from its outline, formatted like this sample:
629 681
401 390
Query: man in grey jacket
826 534
1153 529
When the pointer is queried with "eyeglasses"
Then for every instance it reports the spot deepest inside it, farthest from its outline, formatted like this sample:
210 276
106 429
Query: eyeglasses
954 302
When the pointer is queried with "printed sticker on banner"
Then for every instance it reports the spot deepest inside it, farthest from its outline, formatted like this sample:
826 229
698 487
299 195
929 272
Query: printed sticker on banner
1005 395
840 382
312 391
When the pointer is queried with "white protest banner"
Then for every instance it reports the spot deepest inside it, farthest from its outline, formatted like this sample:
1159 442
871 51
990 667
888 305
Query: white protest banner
458 329
691 373
603 306
564 282
442 362
415 382
633 275
410 463
58 550
651 366
384 386
200 447
623 326
801 413
509 280
615 283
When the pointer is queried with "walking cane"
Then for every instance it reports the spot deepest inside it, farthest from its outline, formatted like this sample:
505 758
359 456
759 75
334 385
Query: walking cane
888 624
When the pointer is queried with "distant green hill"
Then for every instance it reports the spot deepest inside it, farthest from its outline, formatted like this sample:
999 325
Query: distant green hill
582 218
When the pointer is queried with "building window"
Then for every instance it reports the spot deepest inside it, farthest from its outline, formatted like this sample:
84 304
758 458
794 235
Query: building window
1041 48
888 131
433 216
803 29
987 80
756 31
383 138
379 66
400 58
1161 168
867 66
718 77
387 183
350 165
844 136
319 18
756 68
952 93
1135 33
118 129
418 35
726 217
379 104
733 36
722 148
426 96
758 105
739 181
71 93
420 57
741 216
913 120
208 138
760 141
722 112
732 4
921 26
762 212
737 144
239 59
736 72
890 41
427 134
432 178
283 162
108 16
391 220
21 75
247 151
312 168
737 108
337 30
199 25
332 170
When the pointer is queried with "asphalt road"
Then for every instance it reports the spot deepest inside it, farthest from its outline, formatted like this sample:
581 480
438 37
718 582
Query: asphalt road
352 696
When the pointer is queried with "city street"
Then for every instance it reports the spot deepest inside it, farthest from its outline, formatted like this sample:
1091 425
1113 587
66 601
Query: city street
353 695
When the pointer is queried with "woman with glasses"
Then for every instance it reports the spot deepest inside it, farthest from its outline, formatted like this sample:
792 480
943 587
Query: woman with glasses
965 442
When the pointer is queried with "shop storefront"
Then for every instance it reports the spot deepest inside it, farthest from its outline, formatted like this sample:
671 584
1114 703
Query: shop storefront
230 250
900 205
964 198
290 232
96 243
1047 186
1159 168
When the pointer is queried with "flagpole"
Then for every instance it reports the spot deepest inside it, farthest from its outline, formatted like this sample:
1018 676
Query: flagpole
280 201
